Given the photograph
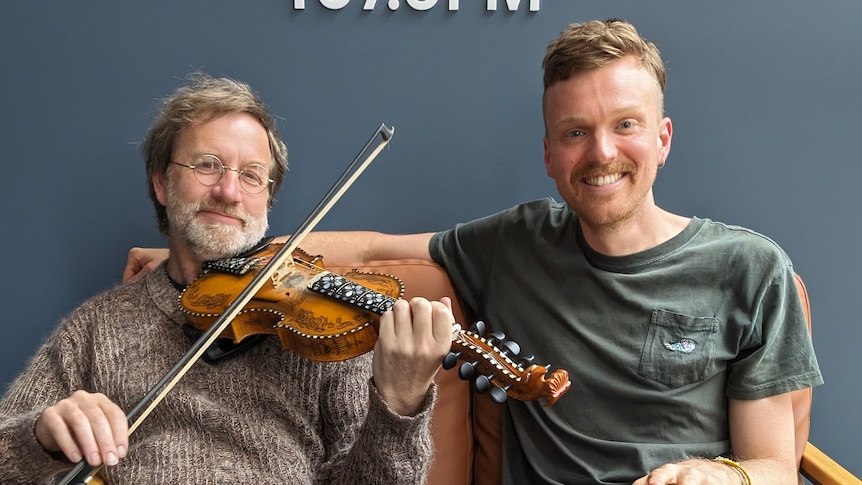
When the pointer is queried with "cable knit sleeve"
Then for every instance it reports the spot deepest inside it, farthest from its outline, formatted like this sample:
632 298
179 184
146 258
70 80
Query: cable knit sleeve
39 386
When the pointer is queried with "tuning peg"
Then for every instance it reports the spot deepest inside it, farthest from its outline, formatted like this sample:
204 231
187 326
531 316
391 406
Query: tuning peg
510 348
482 384
467 370
498 394
526 361
478 328
496 336
451 359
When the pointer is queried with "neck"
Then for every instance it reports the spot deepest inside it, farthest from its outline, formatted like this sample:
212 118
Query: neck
653 226
183 266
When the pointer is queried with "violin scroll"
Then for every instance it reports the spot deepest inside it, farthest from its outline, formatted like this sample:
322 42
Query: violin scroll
496 367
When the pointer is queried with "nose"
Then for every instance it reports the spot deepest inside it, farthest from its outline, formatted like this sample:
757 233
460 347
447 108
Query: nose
228 187
602 147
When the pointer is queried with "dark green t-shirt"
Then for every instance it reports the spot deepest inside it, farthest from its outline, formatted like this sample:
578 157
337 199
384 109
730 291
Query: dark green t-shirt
654 342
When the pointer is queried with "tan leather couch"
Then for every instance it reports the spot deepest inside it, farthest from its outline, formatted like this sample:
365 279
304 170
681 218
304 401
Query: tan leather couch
467 425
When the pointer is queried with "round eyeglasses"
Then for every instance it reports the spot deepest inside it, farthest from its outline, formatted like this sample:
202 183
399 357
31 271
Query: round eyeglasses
209 170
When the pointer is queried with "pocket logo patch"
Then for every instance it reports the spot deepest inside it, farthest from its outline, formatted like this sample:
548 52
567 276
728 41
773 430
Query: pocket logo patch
684 345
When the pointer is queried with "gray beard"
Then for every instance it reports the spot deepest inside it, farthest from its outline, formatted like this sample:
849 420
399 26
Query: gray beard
212 241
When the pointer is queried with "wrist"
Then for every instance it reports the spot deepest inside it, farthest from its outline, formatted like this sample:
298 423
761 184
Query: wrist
743 475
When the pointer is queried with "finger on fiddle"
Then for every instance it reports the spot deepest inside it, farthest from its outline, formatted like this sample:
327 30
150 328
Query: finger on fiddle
446 301
442 321
415 321
424 328
386 327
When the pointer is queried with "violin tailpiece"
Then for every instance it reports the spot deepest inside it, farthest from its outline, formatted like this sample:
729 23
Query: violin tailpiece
234 266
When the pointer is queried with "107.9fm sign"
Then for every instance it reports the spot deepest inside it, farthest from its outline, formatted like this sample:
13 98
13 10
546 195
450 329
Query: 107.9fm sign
421 5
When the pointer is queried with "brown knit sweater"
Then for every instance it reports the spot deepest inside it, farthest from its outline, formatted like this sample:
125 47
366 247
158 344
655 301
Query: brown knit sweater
265 417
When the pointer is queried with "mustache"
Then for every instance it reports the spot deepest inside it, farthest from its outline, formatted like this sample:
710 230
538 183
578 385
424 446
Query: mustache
599 170
222 208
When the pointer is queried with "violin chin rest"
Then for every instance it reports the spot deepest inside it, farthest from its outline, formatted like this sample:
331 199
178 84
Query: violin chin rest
256 248
222 349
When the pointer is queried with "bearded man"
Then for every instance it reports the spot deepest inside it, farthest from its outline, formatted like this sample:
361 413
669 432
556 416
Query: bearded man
214 163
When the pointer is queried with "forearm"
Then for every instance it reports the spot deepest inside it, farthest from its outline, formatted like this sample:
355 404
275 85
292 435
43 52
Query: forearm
762 438
769 471
760 472
345 247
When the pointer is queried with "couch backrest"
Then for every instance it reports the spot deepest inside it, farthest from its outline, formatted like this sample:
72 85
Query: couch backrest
467 426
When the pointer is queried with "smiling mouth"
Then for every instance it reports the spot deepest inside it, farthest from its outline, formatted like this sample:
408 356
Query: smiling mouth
220 217
603 179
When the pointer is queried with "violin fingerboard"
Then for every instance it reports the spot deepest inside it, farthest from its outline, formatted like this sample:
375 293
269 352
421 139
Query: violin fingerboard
340 288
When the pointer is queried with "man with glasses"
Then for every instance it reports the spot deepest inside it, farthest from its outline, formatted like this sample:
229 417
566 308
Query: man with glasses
214 162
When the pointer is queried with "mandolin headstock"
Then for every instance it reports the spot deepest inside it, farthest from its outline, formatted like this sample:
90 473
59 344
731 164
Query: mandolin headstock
496 366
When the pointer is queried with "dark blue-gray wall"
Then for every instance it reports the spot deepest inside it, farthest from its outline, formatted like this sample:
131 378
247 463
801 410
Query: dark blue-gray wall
765 99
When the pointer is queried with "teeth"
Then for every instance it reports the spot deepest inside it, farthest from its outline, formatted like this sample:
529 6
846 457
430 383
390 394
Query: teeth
604 179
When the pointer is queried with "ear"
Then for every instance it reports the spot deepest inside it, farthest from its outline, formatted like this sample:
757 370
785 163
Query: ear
665 134
547 146
160 187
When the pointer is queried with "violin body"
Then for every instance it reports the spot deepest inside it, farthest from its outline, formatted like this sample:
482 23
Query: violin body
321 315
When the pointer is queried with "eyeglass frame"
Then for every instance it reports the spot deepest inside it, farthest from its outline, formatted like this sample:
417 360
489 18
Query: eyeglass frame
240 171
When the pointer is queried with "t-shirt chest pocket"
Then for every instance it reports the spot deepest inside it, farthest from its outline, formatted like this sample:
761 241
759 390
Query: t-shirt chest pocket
679 349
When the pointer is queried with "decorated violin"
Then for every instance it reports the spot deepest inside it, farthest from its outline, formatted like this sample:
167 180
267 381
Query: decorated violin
328 317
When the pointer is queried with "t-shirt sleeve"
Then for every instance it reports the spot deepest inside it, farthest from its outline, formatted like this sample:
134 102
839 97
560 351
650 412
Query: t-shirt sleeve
778 354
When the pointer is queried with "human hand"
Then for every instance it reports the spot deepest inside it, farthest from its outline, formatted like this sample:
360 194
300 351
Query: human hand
412 340
85 425
692 472
141 261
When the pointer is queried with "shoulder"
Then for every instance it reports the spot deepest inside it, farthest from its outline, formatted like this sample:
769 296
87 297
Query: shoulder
539 212
741 243
729 233
130 296
536 216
